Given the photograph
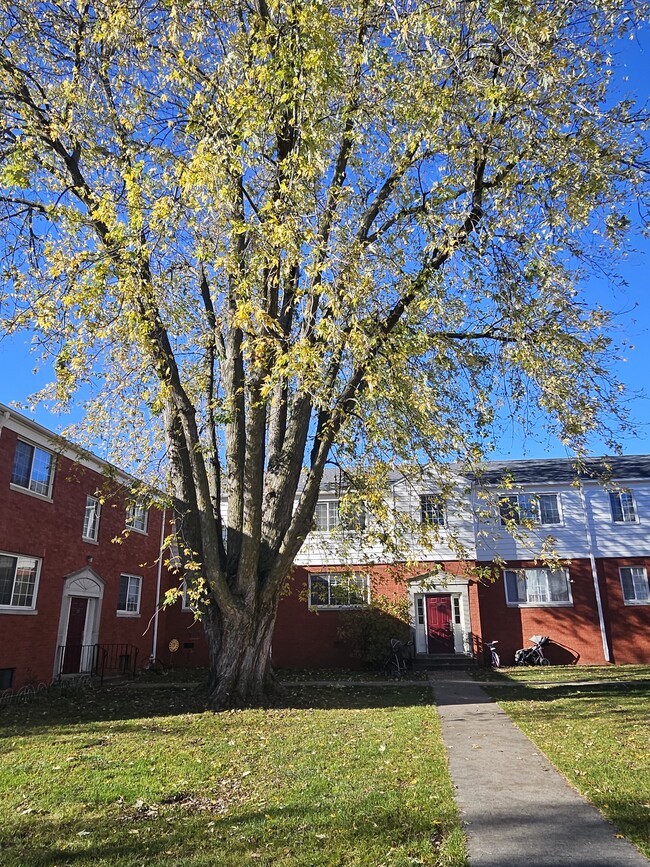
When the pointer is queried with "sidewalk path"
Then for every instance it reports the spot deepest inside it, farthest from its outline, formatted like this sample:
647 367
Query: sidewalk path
517 809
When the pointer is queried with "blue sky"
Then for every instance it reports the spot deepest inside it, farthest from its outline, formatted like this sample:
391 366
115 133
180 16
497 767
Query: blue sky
631 303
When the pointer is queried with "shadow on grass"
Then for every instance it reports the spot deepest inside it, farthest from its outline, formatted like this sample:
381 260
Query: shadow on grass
299 834
132 703
556 691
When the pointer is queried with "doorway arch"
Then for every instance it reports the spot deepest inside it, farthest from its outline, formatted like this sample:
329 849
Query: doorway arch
81 603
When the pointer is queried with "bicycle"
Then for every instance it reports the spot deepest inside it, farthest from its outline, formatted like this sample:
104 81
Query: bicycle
495 661
155 666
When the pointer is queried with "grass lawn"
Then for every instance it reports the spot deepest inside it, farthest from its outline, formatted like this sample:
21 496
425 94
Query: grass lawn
142 776
597 735
566 673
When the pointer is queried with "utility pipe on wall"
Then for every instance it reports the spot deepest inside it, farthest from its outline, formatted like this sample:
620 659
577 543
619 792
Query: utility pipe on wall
154 648
591 544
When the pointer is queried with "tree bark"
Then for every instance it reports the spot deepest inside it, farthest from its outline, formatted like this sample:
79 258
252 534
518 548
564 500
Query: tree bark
239 643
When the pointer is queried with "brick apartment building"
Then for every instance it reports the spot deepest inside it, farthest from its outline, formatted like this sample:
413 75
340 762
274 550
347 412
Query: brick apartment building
82 566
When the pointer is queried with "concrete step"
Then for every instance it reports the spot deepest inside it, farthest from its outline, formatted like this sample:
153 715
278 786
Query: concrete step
430 661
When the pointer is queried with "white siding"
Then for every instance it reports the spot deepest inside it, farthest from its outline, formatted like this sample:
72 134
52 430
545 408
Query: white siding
620 539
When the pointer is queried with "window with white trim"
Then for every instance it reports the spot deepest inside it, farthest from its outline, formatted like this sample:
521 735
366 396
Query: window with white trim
540 587
623 507
326 516
128 600
18 582
432 510
186 605
542 509
91 519
136 516
338 590
634 581
33 469
330 515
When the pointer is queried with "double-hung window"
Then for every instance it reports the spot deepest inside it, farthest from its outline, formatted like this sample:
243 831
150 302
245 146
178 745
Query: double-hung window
623 508
539 587
539 509
33 469
136 516
432 510
18 582
326 516
634 581
338 590
91 519
128 600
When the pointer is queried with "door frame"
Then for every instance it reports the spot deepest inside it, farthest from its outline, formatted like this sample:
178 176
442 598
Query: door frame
87 584
436 585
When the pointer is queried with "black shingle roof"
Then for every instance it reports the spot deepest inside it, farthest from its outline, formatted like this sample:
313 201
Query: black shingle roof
565 470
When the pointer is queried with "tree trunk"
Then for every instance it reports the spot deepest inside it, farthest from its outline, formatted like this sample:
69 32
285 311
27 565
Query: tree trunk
239 644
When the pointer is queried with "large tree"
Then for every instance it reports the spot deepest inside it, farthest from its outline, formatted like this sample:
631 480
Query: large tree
283 232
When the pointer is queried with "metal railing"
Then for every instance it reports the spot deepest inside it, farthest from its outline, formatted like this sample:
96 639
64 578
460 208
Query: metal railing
96 660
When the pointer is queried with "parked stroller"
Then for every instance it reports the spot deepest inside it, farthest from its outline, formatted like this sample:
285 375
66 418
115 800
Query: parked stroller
533 655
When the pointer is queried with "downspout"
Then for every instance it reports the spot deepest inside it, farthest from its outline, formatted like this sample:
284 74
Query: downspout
154 648
591 544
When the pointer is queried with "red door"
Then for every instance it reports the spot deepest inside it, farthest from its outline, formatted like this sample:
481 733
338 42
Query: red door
75 635
439 630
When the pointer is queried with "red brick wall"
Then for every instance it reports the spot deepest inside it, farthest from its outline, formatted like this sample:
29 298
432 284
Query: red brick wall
306 638
574 630
52 531
629 625
175 623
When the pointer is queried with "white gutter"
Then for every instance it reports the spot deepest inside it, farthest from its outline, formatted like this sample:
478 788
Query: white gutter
591 544
154 648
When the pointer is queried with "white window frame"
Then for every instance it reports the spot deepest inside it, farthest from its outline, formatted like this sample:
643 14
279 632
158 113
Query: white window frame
432 510
527 508
92 514
185 602
126 612
623 504
332 516
23 561
32 485
634 583
335 579
137 517
539 575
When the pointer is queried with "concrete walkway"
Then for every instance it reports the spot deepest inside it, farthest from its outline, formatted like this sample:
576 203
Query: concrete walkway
517 809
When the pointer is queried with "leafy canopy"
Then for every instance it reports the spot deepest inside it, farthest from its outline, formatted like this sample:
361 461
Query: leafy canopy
353 229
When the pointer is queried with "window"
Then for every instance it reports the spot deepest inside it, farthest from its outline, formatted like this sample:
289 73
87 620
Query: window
128 601
537 587
622 506
326 516
186 605
18 582
33 469
634 581
190 602
136 517
338 590
6 678
432 510
530 508
91 519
